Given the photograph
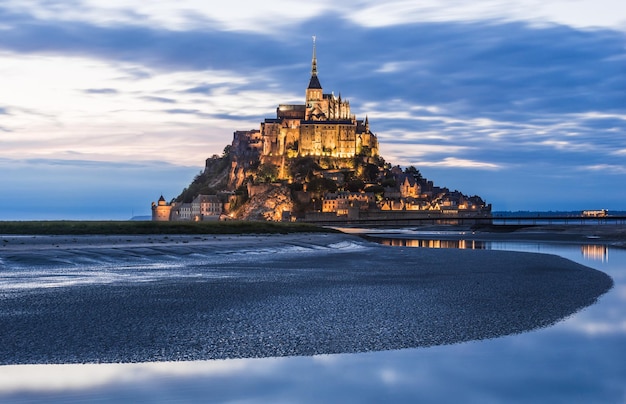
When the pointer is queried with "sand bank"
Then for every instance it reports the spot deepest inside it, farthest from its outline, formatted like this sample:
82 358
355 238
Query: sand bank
156 298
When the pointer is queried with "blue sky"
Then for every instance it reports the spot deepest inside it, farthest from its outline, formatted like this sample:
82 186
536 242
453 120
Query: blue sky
103 107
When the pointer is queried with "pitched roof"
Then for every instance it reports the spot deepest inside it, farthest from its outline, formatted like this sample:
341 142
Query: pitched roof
407 177
206 199
314 82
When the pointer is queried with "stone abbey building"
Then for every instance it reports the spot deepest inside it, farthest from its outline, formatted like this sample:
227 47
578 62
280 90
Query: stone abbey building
322 126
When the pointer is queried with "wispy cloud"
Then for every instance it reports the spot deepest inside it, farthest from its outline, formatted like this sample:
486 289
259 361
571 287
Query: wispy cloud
100 91
458 163
581 14
273 16
607 168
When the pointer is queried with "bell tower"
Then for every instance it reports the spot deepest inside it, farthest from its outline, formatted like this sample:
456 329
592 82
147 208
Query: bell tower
314 90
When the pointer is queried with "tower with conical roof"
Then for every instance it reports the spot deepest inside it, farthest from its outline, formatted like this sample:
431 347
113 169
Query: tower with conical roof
161 210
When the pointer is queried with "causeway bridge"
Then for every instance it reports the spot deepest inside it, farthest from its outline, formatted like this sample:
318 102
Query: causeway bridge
405 219
556 219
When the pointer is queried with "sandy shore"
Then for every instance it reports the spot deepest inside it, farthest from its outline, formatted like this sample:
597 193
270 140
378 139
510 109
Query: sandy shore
66 299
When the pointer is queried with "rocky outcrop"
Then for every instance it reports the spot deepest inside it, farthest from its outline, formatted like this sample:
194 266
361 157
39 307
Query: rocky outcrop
250 189
267 202
216 172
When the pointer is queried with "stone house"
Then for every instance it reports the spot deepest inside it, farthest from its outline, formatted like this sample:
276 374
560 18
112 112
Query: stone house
206 207
341 202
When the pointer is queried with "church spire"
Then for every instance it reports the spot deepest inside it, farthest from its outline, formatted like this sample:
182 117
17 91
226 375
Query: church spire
314 82
314 60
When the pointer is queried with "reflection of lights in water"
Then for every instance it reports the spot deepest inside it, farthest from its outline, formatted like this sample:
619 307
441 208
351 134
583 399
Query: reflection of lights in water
460 244
595 252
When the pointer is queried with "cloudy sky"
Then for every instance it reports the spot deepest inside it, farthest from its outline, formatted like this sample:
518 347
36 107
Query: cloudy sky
104 106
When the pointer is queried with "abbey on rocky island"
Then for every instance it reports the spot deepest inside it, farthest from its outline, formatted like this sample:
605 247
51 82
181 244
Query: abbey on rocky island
314 162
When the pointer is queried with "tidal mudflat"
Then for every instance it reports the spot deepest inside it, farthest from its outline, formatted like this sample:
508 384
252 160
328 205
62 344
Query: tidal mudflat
95 299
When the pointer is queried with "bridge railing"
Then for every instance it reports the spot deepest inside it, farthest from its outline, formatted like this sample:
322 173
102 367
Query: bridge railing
557 219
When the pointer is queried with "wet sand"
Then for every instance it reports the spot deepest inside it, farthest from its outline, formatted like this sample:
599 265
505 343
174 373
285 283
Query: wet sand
212 297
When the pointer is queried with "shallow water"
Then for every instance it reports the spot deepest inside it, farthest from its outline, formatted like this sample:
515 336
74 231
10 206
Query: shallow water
580 359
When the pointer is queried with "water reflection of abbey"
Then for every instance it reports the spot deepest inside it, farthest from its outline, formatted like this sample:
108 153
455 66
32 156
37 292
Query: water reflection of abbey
596 252
428 243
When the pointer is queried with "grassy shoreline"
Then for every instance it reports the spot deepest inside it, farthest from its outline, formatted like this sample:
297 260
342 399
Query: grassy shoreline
70 227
